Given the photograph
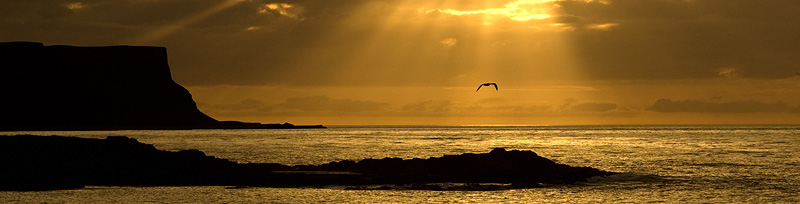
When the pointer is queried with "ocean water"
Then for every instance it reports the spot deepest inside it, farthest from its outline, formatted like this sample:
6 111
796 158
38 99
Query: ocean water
669 164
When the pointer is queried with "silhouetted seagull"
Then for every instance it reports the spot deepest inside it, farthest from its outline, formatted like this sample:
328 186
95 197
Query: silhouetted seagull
487 84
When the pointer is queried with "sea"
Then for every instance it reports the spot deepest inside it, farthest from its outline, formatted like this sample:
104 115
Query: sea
658 164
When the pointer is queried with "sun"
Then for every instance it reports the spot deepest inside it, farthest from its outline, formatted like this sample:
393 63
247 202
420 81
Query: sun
521 10
524 10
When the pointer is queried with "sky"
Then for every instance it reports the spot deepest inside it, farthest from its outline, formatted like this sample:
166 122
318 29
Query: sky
419 62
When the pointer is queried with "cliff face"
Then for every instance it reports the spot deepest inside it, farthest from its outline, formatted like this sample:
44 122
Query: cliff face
116 87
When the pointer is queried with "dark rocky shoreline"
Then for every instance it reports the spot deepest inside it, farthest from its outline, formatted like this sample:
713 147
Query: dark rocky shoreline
56 162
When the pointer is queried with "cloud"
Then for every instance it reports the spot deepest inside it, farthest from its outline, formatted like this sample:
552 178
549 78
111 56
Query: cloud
248 104
411 42
520 10
319 105
688 39
667 105
283 9
75 6
299 106
449 42
502 110
594 107
604 26
428 106
323 105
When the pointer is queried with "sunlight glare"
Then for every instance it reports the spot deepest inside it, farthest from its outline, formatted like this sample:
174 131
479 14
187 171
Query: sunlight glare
605 26
75 6
283 9
167 30
522 10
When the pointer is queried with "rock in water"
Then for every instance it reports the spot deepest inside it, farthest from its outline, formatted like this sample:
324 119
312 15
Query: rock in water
47 163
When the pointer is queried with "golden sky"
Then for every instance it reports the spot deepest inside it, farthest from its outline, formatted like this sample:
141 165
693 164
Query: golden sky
418 62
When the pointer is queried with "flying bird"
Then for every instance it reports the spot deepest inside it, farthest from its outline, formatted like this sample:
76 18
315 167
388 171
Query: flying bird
487 84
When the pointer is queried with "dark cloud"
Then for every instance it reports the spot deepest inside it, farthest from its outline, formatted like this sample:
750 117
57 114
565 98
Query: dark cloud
594 107
299 106
245 105
426 108
658 39
325 106
339 42
507 110
667 105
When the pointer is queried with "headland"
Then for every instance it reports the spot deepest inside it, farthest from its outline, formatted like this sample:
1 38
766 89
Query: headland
98 88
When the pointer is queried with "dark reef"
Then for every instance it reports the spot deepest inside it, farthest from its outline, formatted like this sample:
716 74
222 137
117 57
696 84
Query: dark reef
97 88
55 162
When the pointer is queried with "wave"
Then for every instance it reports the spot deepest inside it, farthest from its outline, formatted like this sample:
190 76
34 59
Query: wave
626 177
724 164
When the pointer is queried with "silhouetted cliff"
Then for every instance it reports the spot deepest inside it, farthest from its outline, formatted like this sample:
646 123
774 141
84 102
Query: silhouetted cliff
54 162
86 88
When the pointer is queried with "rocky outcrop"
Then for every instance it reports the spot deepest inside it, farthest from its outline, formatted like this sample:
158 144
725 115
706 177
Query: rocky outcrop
497 166
90 88
54 162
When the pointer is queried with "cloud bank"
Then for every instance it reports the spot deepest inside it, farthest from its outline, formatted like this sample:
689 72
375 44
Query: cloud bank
403 42
319 105
696 106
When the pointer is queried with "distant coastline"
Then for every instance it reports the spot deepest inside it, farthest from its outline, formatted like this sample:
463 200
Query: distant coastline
577 126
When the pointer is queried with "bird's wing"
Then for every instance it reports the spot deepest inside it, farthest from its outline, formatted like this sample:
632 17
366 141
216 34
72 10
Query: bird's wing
479 88
495 87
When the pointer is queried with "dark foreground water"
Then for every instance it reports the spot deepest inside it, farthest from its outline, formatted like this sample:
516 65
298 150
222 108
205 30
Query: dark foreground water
672 164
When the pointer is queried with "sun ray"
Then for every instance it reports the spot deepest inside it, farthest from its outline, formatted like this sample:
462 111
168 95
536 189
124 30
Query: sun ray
523 45
167 30
520 45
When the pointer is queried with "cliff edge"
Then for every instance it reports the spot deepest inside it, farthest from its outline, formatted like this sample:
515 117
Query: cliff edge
96 88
